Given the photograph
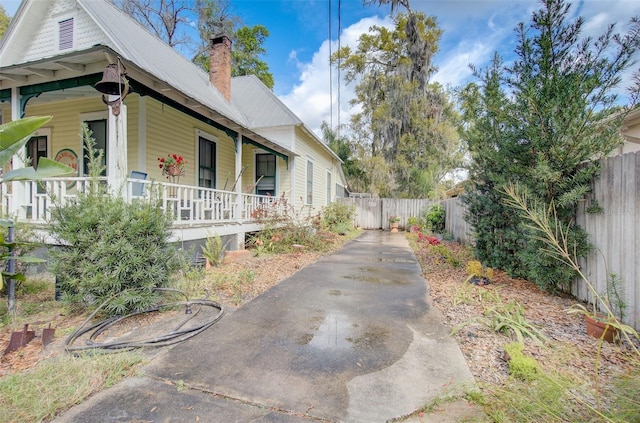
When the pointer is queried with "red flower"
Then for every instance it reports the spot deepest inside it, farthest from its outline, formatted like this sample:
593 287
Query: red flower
173 162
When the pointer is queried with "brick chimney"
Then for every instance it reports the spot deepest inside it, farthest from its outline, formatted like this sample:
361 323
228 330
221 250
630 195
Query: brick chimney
220 64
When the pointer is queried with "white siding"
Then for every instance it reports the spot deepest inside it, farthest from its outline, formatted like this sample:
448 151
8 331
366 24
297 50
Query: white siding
45 38
283 135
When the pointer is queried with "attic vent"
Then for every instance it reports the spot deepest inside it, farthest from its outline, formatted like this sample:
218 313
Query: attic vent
65 36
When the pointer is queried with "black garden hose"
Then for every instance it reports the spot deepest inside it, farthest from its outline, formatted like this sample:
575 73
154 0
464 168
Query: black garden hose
174 336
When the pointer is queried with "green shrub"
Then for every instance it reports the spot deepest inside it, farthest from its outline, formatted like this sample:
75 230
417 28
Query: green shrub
521 366
435 219
213 249
338 217
284 226
109 248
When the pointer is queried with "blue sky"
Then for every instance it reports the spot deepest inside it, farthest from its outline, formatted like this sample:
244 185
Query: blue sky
299 42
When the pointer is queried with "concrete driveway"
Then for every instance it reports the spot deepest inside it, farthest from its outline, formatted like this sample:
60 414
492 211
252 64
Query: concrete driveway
350 338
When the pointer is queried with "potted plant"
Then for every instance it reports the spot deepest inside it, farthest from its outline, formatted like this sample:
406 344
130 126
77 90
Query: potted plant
598 325
393 220
606 324
172 165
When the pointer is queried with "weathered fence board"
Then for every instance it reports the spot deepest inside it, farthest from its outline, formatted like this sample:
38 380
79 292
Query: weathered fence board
615 233
455 223
374 213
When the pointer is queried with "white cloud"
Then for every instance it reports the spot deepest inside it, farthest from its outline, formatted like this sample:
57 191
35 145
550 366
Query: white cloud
455 69
313 99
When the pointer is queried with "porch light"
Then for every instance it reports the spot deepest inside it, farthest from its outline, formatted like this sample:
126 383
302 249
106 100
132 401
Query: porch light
114 82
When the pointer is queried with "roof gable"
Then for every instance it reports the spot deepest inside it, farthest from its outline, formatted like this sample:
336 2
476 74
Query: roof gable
32 36
259 105
42 21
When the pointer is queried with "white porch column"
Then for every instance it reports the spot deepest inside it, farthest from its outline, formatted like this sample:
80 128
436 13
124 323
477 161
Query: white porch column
117 151
240 198
20 192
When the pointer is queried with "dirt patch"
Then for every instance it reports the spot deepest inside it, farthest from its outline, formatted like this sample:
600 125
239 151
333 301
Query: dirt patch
573 351
268 271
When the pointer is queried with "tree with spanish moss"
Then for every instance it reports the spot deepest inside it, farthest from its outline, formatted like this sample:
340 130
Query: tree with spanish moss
405 119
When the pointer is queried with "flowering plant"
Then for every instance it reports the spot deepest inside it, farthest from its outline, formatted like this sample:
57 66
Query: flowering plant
394 219
172 165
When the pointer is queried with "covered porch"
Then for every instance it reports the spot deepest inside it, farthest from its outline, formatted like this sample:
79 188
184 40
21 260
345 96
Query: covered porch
197 212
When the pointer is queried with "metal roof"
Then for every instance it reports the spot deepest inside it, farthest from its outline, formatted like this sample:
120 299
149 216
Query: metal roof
137 45
119 34
259 105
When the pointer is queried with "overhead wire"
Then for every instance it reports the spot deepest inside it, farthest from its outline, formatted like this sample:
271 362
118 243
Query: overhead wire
330 70
339 81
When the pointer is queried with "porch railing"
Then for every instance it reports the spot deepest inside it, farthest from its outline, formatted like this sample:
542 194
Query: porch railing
32 201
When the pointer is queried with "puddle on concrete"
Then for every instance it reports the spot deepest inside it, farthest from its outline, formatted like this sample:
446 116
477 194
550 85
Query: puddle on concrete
395 260
333 332
373 337
374 279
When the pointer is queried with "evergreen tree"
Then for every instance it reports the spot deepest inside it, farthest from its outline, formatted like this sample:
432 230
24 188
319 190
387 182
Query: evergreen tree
558 115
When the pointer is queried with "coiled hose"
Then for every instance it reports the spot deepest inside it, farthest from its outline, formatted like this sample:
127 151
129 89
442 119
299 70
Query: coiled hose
173 337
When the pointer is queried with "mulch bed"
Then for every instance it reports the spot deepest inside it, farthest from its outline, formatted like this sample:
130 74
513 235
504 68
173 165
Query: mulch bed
573 352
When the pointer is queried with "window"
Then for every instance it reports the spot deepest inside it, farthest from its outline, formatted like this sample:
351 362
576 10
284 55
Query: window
329 198
207 163
265 174
65 34
309 182
36 148
99 134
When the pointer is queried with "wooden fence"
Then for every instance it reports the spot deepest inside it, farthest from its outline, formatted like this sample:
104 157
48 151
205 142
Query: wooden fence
615 232
374 213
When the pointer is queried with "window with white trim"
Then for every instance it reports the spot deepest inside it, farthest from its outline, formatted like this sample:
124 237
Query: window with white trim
206 162
265 174
309 182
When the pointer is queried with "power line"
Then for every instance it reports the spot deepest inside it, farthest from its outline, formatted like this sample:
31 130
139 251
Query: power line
330 72
339 45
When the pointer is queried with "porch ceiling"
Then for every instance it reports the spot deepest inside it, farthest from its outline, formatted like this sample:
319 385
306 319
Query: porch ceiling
55 68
